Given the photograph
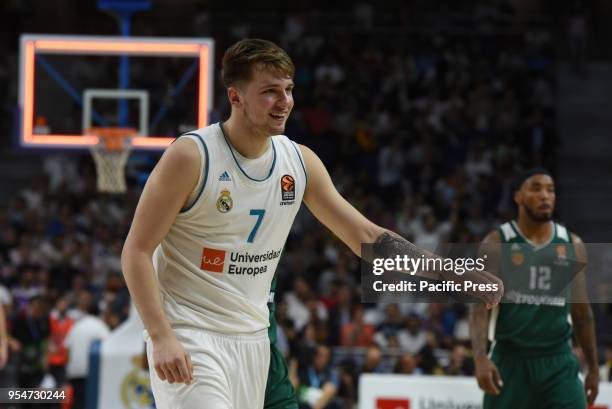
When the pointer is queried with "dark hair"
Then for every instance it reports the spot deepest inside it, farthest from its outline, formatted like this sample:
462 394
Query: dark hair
240 59
526 174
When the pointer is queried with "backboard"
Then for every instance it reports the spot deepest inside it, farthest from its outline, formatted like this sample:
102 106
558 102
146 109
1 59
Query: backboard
62 77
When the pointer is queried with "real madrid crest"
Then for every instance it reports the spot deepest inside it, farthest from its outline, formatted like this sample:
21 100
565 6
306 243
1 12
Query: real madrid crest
225 202
136 390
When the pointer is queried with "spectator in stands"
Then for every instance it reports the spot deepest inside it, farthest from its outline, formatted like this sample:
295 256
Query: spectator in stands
357 333
441 321
60 323
428 233
319 324
347 390
318 382
305 344
428 360
31 330
407 365
28 287
24 254
372 362
458 363
412 337
386 333
340 313
391 160
87 329
476 224
339 273
297 303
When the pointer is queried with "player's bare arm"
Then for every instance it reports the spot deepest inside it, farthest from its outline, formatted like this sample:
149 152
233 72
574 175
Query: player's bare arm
350 226
487 374
165 193
4 341
584 324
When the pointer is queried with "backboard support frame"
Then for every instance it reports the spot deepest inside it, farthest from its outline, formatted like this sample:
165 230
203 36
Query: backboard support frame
141 95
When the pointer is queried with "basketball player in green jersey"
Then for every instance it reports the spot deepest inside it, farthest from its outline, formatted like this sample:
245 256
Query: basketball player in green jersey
531 364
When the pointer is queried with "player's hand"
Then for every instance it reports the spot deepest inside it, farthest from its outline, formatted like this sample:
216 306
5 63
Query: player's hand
487 294
487 375
172 363
490 297
591 386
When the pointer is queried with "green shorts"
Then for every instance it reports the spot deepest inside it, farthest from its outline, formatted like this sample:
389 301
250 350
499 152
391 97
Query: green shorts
279 390
546 382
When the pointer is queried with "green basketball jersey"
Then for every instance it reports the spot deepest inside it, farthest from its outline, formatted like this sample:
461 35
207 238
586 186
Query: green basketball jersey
534 314
272 308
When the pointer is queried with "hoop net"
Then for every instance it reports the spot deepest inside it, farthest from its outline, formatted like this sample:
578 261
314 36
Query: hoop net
110 155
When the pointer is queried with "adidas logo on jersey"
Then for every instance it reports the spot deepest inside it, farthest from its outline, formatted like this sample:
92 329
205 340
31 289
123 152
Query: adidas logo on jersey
225 177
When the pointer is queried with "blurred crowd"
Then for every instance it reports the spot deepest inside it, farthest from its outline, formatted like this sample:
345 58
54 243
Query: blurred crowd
421 131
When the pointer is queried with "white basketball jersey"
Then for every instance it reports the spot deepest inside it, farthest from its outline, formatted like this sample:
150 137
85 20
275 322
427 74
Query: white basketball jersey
216 264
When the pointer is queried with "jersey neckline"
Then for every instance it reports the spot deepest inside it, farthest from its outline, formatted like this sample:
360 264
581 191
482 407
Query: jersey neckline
231 149
536 246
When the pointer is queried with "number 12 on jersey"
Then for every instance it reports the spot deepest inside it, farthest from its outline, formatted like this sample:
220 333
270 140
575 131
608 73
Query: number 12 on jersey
260 215
540 278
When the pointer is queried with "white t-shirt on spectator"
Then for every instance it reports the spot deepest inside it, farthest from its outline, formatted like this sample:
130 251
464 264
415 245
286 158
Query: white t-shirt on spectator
411 342
390 163
78 341
298 311
5 296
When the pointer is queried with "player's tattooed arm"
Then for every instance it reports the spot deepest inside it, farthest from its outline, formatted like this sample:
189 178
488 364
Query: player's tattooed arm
390 244
487 374
583 321
584 328
479 322
479 316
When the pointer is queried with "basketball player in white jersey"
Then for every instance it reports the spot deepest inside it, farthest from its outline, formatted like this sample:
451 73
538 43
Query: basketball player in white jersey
208 233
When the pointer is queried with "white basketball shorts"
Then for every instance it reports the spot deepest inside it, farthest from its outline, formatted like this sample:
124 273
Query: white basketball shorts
229 372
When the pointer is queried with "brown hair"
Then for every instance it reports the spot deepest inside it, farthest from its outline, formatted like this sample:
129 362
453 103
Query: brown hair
240 59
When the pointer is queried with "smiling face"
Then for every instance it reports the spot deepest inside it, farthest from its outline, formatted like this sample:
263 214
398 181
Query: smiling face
258 76
264 102
536 198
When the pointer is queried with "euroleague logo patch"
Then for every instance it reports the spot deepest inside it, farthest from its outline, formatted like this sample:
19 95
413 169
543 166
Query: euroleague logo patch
287 184
561 251
518 258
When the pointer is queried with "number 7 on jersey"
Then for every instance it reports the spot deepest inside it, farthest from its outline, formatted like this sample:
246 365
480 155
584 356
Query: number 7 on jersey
260 215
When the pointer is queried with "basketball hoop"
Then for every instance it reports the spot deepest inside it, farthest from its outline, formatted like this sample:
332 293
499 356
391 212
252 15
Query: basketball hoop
110 156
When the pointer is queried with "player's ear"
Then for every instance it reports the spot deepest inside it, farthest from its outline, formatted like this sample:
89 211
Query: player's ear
234 97
517 197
